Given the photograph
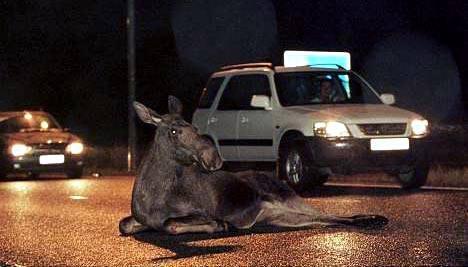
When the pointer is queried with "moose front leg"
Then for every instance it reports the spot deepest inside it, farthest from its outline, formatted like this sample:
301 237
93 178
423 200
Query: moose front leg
193 224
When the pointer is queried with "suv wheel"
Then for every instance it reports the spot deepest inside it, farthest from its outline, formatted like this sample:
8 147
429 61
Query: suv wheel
413 176
297 167
294 167
74 172
32 175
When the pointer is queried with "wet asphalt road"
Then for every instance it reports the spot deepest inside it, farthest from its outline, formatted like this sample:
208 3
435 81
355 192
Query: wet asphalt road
74 222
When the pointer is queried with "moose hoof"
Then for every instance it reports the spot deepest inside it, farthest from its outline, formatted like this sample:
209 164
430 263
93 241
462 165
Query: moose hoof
369 221
172 229
126 226
222 226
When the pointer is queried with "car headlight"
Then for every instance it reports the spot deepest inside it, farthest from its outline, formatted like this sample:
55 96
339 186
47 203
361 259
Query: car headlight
19 150
331 129
419 127
75 148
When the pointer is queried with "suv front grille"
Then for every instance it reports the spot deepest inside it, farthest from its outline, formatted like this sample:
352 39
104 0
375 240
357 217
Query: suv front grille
383 128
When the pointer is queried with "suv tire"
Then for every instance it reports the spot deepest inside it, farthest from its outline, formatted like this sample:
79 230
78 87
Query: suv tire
411 177
296 166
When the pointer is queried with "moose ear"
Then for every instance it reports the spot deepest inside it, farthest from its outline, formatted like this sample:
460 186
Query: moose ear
147 115
174 104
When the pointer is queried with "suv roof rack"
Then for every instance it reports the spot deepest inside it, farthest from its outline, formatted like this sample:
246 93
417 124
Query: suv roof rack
336 65
248 65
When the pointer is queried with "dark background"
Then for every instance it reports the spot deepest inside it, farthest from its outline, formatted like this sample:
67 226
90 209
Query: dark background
69 57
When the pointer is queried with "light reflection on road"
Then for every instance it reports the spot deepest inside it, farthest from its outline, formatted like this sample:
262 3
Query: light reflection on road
342 247
339 242
78 197
21 187
77 189
20 206
420 250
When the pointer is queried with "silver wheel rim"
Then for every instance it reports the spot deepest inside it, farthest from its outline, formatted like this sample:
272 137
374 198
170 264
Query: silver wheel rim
294 167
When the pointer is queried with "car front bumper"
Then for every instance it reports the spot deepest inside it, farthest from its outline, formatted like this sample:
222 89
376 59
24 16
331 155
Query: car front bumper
356 155
31 163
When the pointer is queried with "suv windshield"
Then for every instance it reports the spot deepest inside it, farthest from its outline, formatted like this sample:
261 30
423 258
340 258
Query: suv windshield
334 87
28 122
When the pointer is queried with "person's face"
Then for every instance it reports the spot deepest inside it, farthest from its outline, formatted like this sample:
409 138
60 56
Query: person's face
325 88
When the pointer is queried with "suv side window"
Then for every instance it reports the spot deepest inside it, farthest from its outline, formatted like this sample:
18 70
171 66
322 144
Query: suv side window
240 90
210 92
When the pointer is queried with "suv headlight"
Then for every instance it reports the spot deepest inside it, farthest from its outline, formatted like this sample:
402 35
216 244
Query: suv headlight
419 127
331 129
19 150
75 148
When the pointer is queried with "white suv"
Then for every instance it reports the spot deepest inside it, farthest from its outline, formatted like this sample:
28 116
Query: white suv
311 121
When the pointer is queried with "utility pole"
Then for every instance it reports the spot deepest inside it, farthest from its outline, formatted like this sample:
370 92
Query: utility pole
131 151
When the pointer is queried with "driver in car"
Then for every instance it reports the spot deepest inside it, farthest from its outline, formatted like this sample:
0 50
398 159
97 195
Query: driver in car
327 94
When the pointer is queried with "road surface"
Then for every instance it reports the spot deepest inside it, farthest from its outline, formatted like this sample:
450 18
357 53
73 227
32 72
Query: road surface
74 222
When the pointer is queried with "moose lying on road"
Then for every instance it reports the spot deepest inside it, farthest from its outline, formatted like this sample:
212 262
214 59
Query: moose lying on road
179 188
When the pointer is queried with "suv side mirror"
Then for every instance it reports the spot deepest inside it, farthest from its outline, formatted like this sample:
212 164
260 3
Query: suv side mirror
260 101
387 99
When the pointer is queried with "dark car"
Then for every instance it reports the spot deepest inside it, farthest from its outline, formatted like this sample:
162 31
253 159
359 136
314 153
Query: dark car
33 142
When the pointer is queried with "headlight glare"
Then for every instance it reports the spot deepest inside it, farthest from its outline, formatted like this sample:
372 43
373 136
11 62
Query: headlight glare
320 128
331 129
419 127
75 148
19 150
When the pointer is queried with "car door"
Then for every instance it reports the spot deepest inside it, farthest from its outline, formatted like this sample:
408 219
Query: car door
255 138
222 123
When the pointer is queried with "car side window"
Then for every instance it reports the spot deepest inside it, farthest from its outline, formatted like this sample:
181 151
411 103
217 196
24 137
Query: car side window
10 126
210 92
3 127
240 89
231 98
254 85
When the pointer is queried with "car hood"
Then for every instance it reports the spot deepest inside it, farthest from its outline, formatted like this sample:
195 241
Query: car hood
356 113
40 137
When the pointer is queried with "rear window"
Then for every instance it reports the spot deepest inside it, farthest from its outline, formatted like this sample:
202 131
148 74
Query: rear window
210 92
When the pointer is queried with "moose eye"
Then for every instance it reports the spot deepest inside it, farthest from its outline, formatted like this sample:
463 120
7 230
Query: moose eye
173 131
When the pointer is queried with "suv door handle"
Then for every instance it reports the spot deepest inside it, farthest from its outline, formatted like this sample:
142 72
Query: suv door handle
212 120
244 119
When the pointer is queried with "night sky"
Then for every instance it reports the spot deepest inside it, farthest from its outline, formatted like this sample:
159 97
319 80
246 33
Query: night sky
69 57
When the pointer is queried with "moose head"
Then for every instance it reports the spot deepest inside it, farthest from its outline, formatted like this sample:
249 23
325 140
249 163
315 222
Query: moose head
187 146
